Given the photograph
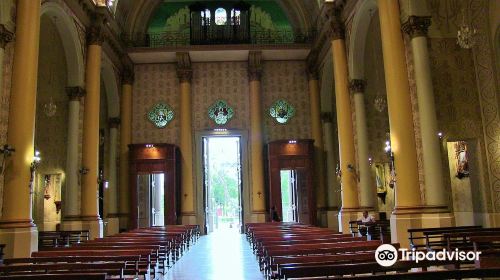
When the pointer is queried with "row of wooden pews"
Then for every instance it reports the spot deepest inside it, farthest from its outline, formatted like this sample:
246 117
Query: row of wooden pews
297 251
144 253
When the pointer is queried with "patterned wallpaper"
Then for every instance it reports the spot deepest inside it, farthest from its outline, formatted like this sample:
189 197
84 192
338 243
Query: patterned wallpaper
154 83
286 80
457 100
51 132
220 80
4 102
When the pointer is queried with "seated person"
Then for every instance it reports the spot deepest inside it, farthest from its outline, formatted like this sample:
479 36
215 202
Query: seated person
364 222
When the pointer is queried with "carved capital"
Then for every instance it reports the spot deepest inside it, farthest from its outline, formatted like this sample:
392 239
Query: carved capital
326 117
128 76
75 93
416 26
337 28
254 66
5 36
357 85
114 122
95 35
184 70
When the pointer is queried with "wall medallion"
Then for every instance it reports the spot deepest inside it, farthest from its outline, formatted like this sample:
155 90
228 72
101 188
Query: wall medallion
282 111
220 112
160 115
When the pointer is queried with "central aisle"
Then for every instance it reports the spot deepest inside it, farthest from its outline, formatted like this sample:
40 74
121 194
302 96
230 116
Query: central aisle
217 256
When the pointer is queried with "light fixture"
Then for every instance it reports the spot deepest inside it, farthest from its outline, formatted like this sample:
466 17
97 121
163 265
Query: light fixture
84 170
292 141
387 147
6 151
220 129
440 135
370 161
50 108
380 101
466 33
150 146
34 166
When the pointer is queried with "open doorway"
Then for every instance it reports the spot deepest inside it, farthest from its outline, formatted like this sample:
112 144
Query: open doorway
289 195
151 196
222 183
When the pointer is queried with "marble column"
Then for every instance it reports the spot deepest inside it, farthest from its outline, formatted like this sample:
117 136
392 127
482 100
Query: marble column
125 140
332 186
185 75
90 152
349 193
256 137
367 191
416 28
17 229
406 213
317 135
111 196
71 203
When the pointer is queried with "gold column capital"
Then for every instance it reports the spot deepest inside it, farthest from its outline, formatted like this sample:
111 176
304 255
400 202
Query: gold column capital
95 33
114 122
254 66
75 93
128 75
337 28
5 36
184 69
417 26
357 86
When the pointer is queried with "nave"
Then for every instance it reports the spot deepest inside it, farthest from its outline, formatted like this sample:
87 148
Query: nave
221 255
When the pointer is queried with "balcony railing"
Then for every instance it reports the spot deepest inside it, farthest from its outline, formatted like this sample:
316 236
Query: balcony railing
185 38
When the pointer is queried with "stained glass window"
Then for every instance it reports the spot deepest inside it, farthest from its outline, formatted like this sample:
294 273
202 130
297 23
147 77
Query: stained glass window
220 112
160 115
220 16
281 111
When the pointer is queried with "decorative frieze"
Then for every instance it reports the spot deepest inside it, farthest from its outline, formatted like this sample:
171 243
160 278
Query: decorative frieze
416 26
184 70
5 36
357 86
75 93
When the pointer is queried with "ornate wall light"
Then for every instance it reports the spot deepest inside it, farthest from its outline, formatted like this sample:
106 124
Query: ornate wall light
6 151
33 167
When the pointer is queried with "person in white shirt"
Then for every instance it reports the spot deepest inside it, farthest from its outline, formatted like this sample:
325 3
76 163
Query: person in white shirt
364 222
366 219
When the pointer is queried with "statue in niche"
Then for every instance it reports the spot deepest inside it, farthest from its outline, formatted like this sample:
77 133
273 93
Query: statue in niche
461 154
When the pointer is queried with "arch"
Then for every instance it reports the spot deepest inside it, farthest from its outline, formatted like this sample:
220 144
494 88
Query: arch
109 78
70 40
357 43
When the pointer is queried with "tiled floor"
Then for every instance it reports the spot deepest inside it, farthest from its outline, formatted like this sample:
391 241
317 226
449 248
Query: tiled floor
218 256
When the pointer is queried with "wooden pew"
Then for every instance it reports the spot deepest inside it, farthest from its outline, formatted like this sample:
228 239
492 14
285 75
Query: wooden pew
73 276
109 268
431 238
489 246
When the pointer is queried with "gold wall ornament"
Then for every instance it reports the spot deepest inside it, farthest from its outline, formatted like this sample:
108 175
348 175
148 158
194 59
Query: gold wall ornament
466 32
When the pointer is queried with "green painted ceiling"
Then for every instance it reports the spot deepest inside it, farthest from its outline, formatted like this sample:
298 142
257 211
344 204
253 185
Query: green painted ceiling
170 8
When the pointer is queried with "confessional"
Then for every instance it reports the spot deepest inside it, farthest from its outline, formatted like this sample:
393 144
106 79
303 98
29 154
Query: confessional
152 166
291 173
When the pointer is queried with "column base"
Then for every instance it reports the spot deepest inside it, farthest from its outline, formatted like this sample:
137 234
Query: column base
112 226
345 216
71 225
258 217
332 218
188 219
404 218
124 221
93 225
20 242
321 217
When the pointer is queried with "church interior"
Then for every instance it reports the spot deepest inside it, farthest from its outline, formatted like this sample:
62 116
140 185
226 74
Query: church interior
187 131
